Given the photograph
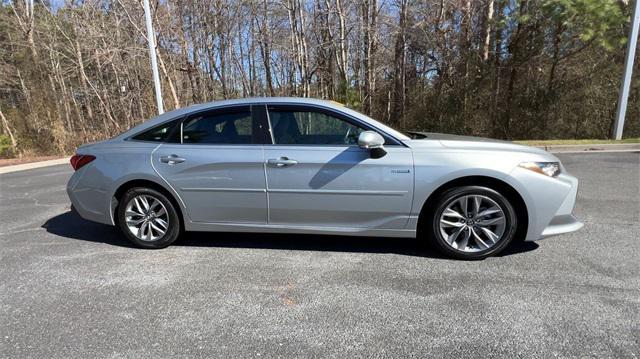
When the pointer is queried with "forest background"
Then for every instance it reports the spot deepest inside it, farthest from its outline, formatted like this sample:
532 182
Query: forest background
78 71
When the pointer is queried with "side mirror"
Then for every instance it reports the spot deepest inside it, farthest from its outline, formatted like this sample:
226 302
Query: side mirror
372 141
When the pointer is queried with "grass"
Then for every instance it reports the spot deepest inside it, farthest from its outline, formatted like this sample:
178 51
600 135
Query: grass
576 142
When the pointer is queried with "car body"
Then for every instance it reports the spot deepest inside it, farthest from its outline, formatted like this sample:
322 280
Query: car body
283 165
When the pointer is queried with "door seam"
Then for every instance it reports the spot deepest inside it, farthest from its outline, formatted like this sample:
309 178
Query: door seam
413 191
266 185
175 193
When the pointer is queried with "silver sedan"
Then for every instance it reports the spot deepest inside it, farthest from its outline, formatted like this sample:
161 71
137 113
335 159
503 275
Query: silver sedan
292 165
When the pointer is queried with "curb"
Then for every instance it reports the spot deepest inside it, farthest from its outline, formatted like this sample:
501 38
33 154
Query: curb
612 147
33 165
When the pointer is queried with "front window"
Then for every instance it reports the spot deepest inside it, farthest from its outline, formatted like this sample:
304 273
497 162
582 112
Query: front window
301 127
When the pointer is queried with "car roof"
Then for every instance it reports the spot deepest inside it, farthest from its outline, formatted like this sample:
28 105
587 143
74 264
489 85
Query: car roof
259 100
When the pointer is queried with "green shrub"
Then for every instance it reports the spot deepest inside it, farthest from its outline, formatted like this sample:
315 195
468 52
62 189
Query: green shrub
6 149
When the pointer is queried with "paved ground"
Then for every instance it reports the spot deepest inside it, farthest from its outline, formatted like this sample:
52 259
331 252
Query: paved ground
70 288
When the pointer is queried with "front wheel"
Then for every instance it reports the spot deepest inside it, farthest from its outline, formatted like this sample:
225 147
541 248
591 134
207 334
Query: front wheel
148 218
472 222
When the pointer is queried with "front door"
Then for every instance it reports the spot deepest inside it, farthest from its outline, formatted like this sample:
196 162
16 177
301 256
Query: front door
318 176
217 166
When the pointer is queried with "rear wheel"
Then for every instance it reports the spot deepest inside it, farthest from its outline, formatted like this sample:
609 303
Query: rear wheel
148 218
472 222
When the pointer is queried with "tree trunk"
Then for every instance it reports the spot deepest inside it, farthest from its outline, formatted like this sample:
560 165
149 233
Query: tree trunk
83 82
341 54
172 87
495 90
514 48
399 76
465 45
266 49
369 17
7 129
487 30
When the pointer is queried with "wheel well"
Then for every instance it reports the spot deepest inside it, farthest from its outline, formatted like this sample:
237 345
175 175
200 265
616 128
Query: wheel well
500 186
147 184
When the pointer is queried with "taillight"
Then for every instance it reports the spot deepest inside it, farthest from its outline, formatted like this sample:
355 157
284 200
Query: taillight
78 161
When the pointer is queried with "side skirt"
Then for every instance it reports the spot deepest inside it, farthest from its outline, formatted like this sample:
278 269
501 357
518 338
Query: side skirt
274 228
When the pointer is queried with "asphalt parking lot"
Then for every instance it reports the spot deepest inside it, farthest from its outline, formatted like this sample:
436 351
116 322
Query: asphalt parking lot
71 288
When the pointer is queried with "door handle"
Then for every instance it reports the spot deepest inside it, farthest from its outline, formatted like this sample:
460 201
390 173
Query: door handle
281 162
172 159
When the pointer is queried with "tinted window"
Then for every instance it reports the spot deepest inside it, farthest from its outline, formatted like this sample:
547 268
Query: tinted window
309 127
159 133
216 127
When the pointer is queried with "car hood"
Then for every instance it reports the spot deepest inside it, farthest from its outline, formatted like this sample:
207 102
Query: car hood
472 143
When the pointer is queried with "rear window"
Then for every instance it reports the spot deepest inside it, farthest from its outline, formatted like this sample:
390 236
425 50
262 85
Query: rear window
161 133
216 127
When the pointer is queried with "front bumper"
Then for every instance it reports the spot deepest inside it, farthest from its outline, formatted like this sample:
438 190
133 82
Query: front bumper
560 225
563 220
550 203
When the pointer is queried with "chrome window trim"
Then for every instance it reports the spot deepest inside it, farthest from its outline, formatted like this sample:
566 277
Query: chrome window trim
266 105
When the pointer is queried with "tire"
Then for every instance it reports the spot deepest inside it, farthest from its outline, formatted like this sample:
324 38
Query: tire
157 216
488 226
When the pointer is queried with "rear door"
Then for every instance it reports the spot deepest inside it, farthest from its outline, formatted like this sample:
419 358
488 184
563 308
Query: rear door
318 176
217 166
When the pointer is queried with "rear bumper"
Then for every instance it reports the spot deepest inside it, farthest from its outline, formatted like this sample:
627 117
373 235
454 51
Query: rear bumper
87 201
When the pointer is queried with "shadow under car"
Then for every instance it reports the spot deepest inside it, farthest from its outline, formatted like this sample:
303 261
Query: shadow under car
71 225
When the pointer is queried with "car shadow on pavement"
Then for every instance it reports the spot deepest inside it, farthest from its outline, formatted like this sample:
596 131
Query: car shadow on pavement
70 225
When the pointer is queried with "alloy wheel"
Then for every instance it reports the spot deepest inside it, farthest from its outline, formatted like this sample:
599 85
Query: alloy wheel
146 218
472 223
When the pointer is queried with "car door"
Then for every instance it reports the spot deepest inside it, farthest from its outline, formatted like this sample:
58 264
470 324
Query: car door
318 176
217 166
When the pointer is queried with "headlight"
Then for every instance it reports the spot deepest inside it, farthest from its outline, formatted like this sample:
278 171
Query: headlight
551 169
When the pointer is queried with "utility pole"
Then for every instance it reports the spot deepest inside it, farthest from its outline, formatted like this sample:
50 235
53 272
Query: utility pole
151 37
628 69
